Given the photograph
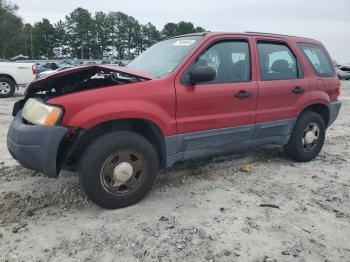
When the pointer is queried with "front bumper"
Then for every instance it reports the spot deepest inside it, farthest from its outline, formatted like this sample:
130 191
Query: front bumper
35 146
334 108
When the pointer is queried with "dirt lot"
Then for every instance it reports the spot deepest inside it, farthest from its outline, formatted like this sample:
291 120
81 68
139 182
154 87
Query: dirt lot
198 211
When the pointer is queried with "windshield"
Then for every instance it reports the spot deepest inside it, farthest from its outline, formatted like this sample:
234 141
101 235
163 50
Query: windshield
163 57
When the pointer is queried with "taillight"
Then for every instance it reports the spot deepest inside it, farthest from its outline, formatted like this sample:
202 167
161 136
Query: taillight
34 69
338 88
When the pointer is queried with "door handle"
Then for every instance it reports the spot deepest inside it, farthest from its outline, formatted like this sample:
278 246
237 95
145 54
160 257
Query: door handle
298 90
243 94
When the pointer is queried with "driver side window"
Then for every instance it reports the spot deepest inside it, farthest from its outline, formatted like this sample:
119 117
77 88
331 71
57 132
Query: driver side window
230 60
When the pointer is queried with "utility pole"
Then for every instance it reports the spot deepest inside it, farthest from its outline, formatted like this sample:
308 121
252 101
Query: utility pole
31 42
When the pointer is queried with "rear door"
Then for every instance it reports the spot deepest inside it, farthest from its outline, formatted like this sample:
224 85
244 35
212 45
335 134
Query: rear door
283 89
221 111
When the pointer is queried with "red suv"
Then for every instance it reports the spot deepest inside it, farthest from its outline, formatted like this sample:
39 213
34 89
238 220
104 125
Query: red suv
185 97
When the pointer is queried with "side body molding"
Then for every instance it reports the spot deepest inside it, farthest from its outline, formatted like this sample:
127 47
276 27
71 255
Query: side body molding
206 143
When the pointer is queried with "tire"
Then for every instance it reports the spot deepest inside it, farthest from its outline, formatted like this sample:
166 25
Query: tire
115 151
298 147
7 87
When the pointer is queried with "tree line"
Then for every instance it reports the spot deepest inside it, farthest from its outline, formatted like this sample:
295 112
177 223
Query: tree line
81 35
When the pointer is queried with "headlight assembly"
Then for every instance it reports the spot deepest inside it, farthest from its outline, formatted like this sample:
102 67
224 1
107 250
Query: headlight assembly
36 112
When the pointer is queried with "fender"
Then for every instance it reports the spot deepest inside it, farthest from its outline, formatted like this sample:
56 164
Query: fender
126 109
319 97
9 77
151 100
319 101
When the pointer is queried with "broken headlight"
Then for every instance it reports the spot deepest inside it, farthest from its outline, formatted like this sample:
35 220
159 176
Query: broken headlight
37 112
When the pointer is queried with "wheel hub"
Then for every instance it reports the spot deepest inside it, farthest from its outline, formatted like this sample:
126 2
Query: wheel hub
122 173
5 88
311 135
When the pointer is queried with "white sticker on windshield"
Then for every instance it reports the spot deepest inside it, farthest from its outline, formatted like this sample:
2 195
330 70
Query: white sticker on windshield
184 42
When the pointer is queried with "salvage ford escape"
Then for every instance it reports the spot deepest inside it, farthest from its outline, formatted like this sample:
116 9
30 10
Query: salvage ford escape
185 97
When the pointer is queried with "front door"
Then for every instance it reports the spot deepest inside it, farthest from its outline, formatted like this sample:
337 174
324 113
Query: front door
222 111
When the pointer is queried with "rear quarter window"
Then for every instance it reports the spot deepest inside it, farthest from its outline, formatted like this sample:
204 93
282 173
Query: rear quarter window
318 58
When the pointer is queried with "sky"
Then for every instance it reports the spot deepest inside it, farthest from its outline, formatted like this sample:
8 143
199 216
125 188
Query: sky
324 20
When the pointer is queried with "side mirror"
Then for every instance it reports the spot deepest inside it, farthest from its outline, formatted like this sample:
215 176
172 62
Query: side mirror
202 74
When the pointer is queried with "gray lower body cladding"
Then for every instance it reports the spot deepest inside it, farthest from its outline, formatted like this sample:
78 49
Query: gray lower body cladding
211 142
334 109
35 146
206 143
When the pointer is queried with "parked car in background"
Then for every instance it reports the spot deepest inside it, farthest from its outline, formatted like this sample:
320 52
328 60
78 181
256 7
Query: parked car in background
345 68
109 62
19 57
50 65
13 74
342 73
40 68
119 63
185 97
49 72
64 62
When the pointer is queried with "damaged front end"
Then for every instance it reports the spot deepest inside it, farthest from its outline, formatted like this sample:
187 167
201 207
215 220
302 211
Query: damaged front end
78 79
36 139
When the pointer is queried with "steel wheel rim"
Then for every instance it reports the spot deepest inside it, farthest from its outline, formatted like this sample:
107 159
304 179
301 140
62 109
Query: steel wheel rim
5 88
311 136
118 165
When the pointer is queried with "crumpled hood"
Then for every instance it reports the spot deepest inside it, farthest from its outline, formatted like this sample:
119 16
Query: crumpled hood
65 76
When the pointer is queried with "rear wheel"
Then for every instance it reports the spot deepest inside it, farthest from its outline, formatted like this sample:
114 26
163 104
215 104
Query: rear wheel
118 169
307 138
7 87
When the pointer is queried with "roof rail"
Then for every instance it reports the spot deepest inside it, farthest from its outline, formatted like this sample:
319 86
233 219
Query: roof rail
263 33
272 34
191 34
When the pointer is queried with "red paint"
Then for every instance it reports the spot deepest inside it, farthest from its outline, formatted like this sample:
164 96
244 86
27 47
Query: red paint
176 108
34 70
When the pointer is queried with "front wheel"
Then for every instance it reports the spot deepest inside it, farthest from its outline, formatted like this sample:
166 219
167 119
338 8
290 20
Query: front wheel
118 169
307 138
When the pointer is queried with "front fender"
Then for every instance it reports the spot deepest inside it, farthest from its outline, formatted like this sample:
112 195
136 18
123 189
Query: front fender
102 112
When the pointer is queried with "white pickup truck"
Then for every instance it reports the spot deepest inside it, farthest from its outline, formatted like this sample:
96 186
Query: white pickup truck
13 74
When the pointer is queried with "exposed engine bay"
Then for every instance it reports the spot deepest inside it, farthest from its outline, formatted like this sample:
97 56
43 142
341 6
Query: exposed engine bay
79 79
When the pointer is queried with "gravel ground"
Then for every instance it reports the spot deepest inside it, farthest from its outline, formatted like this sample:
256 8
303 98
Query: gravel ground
205 210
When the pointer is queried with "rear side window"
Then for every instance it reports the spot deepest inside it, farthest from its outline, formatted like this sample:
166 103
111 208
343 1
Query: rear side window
277 62
318 58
